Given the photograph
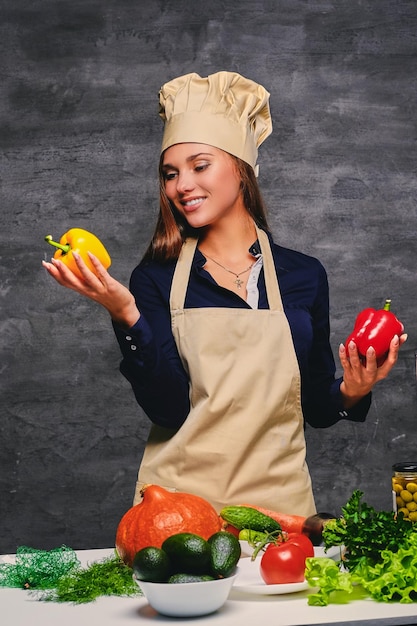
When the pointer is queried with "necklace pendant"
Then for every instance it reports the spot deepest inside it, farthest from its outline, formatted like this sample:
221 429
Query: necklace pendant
238 282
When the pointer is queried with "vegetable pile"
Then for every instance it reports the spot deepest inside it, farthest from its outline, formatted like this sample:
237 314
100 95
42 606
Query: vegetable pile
187 557
378 557
378 553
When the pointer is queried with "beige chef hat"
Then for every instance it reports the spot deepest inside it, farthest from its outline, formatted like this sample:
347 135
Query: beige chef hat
224 110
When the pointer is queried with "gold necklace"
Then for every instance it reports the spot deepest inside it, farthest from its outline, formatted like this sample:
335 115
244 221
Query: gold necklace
237 281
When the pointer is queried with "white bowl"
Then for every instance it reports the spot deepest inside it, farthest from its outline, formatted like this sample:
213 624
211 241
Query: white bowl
187 599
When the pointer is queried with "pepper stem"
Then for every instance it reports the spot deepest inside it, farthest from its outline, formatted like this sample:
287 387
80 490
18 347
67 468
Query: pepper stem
387 305
65 247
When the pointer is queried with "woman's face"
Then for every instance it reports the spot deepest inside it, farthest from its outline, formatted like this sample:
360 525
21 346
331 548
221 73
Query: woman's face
203 183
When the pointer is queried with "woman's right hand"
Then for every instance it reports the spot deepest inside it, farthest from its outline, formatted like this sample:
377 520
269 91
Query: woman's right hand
359 378
98 286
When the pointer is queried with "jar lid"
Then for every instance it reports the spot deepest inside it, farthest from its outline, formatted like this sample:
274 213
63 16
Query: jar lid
411 466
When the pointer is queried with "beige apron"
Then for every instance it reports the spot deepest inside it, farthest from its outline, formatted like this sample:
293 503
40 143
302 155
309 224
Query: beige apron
243 440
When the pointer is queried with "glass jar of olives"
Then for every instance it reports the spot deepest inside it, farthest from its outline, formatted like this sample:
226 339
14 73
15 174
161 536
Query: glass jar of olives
404 489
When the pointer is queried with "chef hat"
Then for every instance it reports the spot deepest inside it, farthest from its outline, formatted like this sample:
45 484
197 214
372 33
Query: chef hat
224 110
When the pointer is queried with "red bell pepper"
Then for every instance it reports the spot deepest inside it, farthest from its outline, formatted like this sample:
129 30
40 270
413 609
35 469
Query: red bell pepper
375 328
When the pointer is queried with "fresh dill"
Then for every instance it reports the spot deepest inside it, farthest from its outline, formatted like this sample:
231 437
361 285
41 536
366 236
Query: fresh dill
109 577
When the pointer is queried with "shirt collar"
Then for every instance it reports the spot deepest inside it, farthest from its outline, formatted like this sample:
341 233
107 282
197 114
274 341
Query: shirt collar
254 250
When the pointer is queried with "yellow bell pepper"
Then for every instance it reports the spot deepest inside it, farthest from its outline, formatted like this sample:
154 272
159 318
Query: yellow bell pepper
81 242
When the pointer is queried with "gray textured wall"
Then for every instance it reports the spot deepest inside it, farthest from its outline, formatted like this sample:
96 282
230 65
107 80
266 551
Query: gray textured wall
80 138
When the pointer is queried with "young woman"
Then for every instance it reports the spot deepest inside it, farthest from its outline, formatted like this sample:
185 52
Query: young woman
225 334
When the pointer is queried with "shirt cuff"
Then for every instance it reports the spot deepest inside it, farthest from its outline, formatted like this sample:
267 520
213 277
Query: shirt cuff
358 412
135 339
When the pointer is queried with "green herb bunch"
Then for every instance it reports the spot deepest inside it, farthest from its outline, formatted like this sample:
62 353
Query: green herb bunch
379 557
365 532
109 577
56 575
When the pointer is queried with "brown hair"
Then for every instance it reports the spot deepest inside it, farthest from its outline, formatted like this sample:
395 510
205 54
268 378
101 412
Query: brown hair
172 229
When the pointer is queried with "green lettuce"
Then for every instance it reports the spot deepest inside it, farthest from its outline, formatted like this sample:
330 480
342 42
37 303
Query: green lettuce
394 578
379 557
334 584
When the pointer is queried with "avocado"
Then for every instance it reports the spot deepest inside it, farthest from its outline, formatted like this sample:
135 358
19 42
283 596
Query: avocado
188 553
225 553
189 578
151 564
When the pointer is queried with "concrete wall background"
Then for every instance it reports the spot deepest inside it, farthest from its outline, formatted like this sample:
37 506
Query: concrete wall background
80 140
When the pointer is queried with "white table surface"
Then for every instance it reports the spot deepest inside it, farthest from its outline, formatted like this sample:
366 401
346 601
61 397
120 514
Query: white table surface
20 608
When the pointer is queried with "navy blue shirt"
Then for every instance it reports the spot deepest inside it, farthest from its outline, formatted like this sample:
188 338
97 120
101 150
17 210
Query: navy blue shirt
151 362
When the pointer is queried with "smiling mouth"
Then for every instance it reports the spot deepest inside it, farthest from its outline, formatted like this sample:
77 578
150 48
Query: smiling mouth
190 205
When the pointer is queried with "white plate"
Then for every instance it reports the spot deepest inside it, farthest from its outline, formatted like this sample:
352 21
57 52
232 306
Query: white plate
249 579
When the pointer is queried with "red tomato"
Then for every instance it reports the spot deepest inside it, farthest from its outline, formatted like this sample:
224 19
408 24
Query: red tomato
283 563
303 542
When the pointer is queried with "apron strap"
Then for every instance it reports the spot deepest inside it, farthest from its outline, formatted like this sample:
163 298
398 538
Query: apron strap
182 274
271 280
183 267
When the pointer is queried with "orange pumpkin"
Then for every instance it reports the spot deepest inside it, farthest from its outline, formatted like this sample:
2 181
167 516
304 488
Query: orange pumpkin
159 515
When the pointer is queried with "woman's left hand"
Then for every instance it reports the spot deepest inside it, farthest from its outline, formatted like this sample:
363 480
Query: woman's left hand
360 378
99 286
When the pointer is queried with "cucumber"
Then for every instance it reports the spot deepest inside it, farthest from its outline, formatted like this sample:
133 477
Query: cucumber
225 553
245 517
